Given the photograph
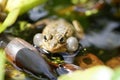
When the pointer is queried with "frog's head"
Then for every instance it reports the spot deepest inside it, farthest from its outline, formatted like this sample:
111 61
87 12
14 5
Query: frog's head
57 37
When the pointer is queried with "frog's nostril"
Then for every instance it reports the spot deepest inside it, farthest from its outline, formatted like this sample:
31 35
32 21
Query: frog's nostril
52 45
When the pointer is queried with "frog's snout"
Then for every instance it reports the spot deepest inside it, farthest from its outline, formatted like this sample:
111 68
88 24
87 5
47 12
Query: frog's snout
52 45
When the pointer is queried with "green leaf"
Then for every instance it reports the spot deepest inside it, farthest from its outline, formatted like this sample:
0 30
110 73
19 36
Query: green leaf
93 73
16 8
2 63
9 20
23 5
116 75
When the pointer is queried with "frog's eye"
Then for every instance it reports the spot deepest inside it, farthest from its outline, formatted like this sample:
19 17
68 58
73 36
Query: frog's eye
45 38
62 40
38 38
72 44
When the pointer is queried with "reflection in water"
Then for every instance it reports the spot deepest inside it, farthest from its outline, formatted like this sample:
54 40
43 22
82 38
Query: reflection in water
37 13
108 38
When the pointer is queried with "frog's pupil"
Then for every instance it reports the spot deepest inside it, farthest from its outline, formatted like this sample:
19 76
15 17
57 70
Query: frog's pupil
51 37
61 40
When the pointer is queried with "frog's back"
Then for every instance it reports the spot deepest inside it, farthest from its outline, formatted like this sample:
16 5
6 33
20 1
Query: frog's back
59 27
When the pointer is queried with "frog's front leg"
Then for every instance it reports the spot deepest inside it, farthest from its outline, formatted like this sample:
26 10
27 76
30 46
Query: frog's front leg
79 32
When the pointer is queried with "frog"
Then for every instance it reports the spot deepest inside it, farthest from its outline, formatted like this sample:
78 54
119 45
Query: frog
59 36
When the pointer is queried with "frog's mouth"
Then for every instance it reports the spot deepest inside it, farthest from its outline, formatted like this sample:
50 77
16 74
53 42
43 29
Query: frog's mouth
56 49
70 45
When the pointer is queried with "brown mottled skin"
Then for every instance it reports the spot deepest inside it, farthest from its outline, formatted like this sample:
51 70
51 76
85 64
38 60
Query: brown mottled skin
55 35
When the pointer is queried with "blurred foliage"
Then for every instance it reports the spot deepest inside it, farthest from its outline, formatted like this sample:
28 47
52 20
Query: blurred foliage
96 73
66 9
93 73
116 76
2 63
24 27
16 8
24 30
